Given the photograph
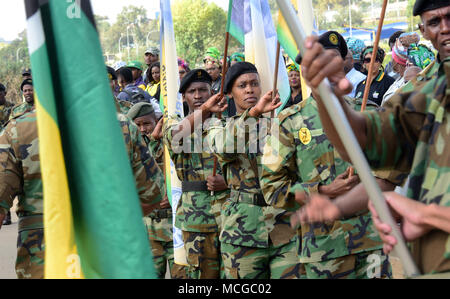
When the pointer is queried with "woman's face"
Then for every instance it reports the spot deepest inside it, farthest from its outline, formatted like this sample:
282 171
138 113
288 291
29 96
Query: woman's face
246 91
294 79
376 65
155 73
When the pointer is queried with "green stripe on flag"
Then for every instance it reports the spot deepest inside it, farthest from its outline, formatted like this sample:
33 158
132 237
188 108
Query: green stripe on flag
111 238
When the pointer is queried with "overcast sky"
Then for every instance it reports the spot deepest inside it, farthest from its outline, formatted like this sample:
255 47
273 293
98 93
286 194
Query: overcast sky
12 12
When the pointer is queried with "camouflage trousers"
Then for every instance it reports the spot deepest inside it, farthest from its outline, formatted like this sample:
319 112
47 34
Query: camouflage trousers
202 254
275 262
162 255
30 254
365 265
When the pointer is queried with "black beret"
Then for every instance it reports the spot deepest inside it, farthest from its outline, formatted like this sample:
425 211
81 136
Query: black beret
425 5
26 82
333 40
235 71
197 75
140 109
111 73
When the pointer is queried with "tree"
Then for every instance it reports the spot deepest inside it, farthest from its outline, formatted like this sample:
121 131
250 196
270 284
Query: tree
198 25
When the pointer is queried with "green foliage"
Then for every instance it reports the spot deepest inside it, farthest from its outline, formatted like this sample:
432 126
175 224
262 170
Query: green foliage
14 58
198 25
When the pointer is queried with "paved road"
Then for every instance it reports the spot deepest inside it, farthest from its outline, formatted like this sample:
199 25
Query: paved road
8 240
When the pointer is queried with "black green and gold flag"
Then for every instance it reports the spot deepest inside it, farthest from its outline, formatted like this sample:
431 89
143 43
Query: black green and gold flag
92 217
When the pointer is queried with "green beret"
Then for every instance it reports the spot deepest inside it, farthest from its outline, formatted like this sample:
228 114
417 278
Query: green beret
333 40
422 6
197 75
140 109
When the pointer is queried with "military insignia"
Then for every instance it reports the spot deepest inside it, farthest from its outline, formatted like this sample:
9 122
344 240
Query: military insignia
304 135
199 74
376 94
334 39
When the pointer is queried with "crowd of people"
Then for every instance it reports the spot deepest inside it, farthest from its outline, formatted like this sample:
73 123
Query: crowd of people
287 204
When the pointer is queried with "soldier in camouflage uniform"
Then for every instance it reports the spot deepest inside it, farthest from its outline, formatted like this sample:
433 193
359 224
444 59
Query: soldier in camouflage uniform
5 111
20 175
256 239
5 106
28 94
198 211
302 160
410 134
159 222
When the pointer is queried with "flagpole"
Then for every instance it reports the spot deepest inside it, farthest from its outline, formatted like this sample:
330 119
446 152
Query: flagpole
275 79
224 71
352 146
372 62
374 55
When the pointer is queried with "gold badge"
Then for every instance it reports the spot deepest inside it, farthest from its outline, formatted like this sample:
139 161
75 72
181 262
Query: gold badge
199 74
304 135
334 39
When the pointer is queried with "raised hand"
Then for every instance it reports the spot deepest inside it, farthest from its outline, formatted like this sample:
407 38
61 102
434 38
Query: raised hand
318 64
157 131
215 104
266 104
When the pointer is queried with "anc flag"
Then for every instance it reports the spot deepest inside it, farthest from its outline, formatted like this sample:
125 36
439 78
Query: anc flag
250 22
306 17
173 104
92 215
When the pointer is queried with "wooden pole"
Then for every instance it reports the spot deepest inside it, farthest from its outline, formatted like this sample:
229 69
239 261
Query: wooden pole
372 62
224 71
374 55
275 79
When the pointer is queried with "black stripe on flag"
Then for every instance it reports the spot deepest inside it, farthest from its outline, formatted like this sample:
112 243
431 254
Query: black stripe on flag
31 7
87 9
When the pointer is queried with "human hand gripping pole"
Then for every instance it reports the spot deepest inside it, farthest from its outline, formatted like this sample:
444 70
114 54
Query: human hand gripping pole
351 144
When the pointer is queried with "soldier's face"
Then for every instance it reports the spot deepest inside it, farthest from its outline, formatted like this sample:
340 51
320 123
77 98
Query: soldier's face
436 28
246 91
196 94
146 124
28 93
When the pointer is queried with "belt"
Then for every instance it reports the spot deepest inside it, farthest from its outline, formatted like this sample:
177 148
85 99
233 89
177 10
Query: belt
161 214
31 222
256 199
187 186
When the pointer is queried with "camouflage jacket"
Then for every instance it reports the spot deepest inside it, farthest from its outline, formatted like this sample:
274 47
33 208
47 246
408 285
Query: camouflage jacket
20 109
197 211
237 143
5 111
157 149
159 228
300 159
20 173
412 134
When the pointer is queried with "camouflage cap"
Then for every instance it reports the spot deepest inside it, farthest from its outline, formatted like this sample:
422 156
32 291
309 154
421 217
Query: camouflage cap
140 109
136 65
153 50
